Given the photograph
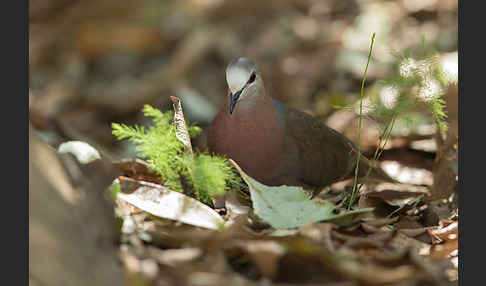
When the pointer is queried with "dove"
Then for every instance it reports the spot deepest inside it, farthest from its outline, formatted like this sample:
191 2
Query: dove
276 144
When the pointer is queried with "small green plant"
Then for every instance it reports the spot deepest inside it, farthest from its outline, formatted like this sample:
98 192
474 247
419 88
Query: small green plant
419 81
204 174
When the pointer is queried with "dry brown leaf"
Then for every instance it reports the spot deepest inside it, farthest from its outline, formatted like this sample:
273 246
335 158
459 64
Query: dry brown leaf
379 222
265 255
172 234
397 194
446 231
175 257
320 232
376 240
367 228
137 169
401 240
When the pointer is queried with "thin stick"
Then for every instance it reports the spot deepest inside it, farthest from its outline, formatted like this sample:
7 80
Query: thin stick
359 125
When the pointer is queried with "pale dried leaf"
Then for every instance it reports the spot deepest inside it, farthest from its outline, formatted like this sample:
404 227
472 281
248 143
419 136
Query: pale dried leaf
180 124
162 202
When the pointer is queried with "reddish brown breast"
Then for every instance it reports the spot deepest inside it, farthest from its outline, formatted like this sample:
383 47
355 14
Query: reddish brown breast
254 138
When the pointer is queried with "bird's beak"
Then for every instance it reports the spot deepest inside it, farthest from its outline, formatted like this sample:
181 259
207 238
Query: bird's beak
234 99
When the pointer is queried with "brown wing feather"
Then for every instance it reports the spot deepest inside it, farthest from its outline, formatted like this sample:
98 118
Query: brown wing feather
326 156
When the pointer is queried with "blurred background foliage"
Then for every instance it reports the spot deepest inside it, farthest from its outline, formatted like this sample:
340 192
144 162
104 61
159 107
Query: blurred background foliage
97 62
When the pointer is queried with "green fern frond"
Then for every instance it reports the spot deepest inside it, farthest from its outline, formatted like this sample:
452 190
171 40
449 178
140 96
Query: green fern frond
122 131
207 175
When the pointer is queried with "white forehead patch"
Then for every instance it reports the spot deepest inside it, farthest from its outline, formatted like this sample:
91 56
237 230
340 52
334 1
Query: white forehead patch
236 77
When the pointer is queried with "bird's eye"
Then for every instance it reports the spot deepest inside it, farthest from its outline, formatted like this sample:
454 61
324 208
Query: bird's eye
252 78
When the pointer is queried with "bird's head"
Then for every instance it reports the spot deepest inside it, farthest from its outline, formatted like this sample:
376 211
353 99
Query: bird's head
244 80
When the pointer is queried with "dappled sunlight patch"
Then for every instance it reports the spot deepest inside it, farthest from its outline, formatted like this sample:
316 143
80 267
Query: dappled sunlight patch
450 67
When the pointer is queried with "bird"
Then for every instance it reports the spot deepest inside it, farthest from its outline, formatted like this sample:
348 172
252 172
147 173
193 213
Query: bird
276 144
